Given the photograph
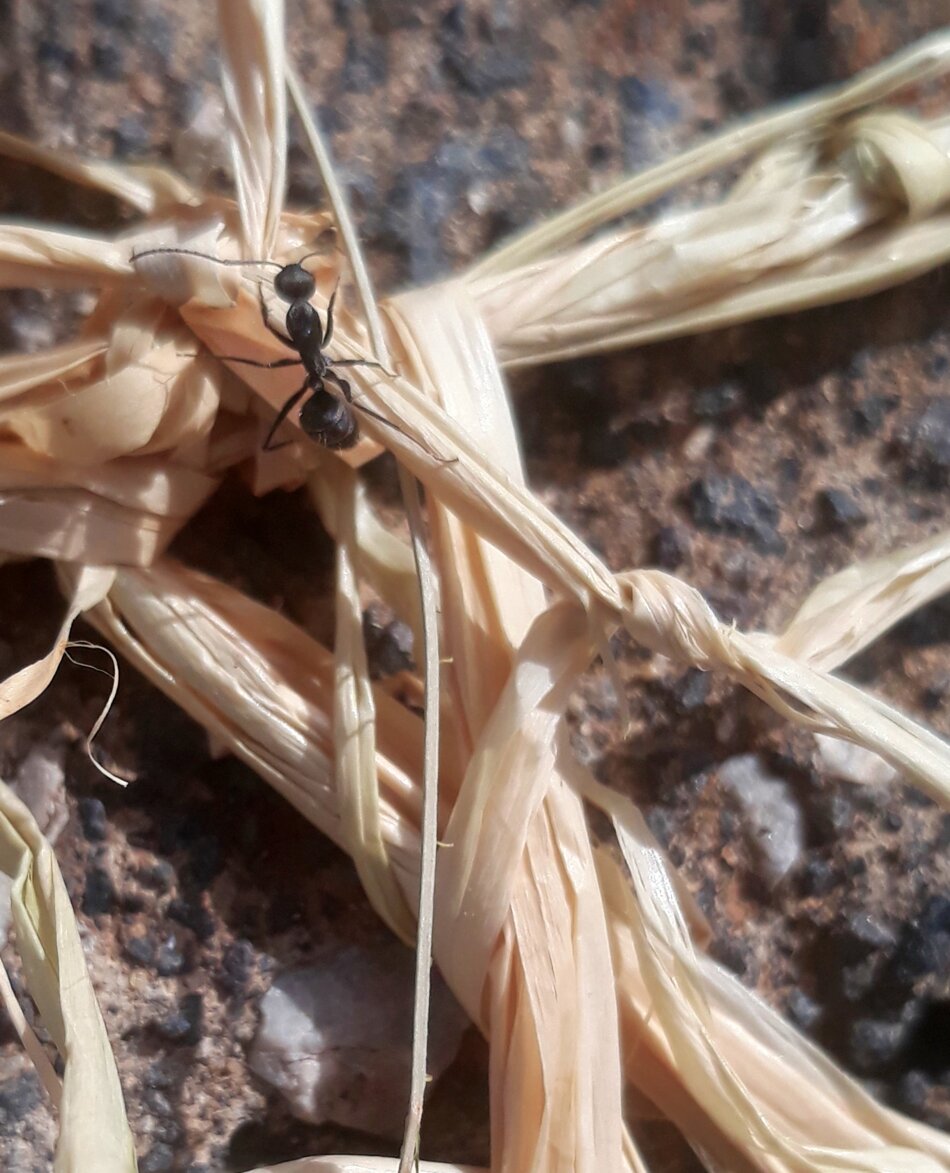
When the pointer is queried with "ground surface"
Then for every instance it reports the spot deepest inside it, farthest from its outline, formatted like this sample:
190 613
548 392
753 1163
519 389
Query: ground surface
752 462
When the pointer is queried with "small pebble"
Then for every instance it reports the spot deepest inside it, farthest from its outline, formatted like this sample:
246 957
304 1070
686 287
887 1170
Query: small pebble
837 510
729 504
159 1159
92 819
99 895
773 818
335 1038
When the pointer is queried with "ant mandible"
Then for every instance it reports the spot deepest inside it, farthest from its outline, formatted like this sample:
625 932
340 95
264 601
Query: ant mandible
324 417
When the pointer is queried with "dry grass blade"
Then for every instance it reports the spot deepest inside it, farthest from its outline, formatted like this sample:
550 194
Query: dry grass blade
44 257
148 189
430 644
252 75
819 219
170 608
89 587
847 612
360 1165
94 1133
354 732
927 59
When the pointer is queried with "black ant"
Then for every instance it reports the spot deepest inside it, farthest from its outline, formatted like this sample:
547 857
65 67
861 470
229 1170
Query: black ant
324 417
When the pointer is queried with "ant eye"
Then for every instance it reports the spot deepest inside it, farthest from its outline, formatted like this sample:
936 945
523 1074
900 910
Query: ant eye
293 282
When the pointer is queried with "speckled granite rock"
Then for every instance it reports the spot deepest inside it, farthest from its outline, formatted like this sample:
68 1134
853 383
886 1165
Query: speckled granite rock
478 119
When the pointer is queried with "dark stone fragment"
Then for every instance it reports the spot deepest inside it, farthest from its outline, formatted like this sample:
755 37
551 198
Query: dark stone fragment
115 14
18 1097
157 1076
934 695
237 966
867 933
92 819
831 812
805 1012
729 952
869 415
729 504
140 950
419 201
700 42
924 947
167 1132
159 876
99 896
718 401
691 690
913 1091
184 1025
482 64
193 915
169 960
937 365
159 1159
52 53
365 66
818 877
661 822
893 820
130 138
670 547
158 40
648 100
157 1102
806 59
875 1044
924 441
837 510
107 61
389 648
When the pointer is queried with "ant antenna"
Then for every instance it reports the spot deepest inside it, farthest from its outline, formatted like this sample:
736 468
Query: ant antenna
191 252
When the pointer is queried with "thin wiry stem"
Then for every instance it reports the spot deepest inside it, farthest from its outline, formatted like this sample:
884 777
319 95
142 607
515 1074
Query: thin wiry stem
409 1154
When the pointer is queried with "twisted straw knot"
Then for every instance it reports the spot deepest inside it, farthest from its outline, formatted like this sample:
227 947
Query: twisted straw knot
674 619
900 159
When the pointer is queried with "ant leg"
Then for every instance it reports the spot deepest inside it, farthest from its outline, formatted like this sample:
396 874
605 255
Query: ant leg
328 333
252 362
264 318
282 415
356 362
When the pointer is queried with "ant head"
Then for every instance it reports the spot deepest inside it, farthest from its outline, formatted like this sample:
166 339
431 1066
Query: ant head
294 283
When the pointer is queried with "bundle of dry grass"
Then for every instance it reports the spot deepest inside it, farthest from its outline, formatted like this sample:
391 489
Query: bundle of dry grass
585 972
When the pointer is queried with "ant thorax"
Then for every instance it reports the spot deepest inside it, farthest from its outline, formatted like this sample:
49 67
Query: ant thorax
303 322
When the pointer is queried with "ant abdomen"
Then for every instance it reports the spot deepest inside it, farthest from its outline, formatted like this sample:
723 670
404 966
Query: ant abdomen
329 421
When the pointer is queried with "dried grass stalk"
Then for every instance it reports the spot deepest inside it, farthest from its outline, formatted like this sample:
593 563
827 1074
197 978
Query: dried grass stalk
94 1133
